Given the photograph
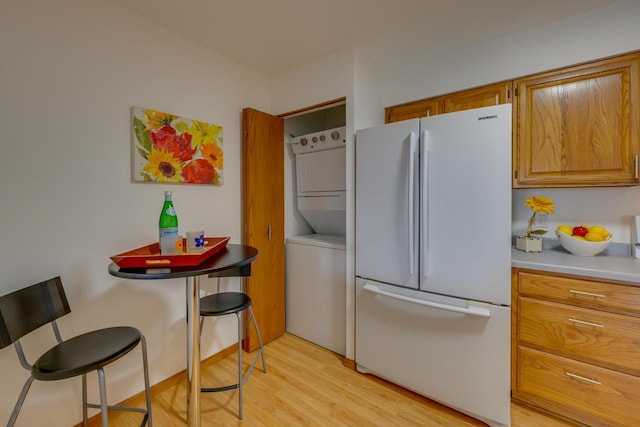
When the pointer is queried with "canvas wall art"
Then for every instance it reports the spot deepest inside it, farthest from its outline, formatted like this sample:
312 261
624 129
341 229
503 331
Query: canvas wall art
173 149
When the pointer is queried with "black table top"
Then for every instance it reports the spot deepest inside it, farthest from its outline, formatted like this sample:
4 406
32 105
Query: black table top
233 260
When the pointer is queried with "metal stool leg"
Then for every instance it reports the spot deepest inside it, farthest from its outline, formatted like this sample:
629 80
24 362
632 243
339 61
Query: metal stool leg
23 395
240 334
85 414
255 323
147 387
103 398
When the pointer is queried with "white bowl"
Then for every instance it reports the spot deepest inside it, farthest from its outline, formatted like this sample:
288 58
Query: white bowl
581 247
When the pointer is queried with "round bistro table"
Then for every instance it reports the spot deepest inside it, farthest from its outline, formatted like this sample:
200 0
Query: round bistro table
233 260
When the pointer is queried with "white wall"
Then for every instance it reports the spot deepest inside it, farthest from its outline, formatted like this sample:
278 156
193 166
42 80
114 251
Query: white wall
70 72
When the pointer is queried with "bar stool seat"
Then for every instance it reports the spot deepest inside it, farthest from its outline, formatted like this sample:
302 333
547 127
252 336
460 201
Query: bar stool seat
224 303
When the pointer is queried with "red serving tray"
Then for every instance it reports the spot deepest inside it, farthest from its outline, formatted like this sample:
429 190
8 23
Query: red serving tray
150 256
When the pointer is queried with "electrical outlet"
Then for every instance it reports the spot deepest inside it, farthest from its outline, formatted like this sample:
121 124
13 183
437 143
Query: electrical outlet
541 221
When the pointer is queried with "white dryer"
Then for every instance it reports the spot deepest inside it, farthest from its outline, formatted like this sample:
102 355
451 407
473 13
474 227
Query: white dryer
321 179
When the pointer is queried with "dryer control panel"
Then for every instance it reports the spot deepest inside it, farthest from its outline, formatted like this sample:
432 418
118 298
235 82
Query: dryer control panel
317 141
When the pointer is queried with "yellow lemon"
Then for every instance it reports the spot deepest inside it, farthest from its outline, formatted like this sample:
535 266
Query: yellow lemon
597 229
563 228
594 237
578 237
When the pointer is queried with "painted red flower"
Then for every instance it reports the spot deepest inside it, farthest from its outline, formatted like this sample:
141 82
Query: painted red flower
198 171
166 138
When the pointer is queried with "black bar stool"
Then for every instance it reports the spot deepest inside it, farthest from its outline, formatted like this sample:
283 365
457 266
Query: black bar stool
221 304
25 310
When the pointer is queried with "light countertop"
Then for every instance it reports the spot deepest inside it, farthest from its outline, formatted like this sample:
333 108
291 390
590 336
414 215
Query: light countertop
615 263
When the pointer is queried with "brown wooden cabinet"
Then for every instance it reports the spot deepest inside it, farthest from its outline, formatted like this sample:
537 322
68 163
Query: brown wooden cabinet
575 347
263 221
578 126
414 110
573 127
485 96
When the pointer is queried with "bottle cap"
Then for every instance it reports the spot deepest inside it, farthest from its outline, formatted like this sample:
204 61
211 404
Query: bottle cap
167 193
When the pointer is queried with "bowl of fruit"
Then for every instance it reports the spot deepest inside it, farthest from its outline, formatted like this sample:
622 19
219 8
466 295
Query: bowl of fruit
583 240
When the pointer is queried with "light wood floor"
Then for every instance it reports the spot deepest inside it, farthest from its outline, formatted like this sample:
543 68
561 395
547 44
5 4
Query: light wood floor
305 385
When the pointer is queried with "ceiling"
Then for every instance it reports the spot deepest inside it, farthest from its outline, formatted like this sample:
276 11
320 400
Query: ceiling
273 36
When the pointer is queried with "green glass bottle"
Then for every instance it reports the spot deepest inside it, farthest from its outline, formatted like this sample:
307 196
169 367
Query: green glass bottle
168 218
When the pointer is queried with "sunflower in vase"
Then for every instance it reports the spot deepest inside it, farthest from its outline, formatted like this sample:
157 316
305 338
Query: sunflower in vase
539 205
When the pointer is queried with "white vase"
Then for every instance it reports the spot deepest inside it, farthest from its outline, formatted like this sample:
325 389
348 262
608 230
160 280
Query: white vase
529 244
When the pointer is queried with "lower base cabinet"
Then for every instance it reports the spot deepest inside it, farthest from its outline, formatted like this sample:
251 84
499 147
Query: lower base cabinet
576 347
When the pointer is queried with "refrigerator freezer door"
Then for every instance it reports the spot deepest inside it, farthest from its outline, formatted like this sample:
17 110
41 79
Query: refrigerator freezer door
461 360
387 191
466 204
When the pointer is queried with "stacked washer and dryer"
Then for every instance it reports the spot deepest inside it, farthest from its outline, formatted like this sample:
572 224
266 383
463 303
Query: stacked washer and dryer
316 263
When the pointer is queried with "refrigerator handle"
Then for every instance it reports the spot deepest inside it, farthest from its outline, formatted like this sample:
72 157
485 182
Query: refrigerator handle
424 238
411 202
473 308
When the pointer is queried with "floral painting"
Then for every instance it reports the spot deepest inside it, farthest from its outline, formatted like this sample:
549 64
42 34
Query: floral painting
169 148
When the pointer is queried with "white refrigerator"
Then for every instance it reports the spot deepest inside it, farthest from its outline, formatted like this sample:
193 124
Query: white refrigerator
433 258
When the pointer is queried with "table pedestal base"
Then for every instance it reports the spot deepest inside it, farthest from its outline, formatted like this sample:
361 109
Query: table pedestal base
193 351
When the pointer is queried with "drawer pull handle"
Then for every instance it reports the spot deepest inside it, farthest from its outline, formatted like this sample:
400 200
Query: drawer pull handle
588 294
582 322
579 377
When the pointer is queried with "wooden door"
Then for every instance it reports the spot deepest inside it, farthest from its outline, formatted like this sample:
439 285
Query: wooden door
263 221
578 126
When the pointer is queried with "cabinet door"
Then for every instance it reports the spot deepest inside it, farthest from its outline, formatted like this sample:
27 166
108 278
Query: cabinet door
485 96
414 110
579 126
263 210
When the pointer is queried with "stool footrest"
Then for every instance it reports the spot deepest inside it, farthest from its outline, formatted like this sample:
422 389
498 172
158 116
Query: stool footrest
123 408
244 378
214 389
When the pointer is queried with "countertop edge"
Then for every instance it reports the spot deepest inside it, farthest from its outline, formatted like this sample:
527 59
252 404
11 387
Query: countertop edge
611 267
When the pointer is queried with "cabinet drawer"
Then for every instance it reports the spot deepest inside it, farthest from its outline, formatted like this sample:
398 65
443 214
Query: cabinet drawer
592 395
609 339
578 291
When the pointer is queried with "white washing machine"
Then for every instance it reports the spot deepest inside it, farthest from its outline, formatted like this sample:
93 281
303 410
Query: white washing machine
316 290
321 179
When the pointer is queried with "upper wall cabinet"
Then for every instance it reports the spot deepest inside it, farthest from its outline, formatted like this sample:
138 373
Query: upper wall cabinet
485 96
495 94
413 110
578 126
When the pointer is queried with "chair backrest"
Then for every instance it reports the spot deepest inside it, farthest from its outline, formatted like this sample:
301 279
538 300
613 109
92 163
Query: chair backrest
27 309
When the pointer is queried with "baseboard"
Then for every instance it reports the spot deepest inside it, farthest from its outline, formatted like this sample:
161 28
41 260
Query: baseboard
348 363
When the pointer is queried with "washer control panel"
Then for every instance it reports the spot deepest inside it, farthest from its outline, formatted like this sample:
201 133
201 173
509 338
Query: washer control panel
323 140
